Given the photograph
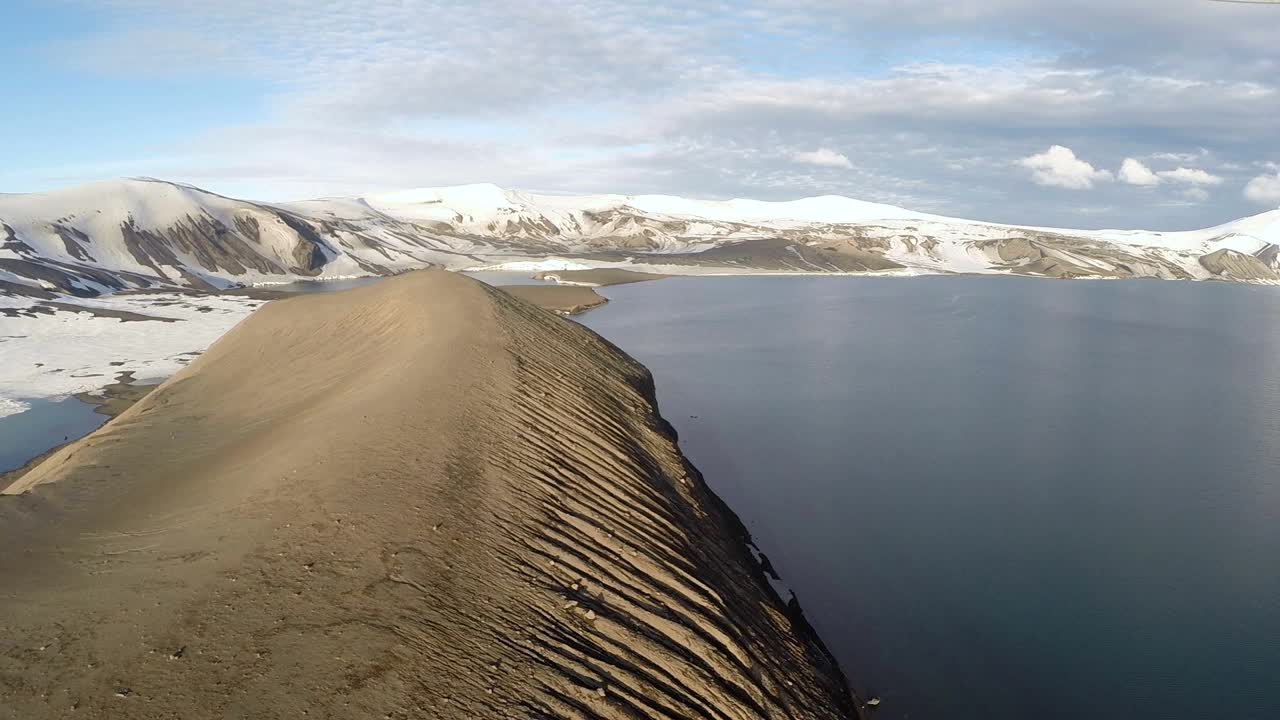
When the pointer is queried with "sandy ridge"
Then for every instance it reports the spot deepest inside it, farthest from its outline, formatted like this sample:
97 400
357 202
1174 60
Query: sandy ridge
422 498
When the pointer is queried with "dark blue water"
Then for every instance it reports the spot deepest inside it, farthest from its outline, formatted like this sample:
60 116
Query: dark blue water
997 498
47 423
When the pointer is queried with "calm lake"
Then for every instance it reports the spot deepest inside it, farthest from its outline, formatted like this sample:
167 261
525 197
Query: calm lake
996 498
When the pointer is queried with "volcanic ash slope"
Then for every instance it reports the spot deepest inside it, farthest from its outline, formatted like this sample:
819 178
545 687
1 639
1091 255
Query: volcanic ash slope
423 498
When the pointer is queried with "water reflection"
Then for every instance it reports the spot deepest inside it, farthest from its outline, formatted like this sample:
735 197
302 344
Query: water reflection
997 498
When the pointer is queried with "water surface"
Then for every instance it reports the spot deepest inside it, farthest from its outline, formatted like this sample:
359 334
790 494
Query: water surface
996 498
318 286
45 424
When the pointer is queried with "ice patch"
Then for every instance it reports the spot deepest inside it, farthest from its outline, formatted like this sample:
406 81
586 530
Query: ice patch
12 406
546 265
72 352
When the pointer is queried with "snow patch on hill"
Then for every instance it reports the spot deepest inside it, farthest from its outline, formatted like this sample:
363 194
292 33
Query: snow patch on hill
143 233
68 352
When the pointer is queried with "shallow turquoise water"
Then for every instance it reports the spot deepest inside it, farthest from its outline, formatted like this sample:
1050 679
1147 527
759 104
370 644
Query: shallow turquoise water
996 498
45 424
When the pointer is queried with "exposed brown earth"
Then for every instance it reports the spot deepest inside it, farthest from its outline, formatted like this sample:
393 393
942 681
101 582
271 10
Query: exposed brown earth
1233 265
419 499
563 299
117 397
601 277
785 255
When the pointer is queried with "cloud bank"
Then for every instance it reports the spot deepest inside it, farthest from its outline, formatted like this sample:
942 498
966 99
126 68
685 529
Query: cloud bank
946 108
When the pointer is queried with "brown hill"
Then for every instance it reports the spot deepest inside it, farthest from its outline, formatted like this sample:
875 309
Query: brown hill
419 499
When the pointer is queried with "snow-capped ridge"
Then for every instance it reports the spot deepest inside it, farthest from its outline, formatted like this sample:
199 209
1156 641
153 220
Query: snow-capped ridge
141 232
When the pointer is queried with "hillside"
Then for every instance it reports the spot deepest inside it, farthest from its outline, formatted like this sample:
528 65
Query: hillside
435 501
147 233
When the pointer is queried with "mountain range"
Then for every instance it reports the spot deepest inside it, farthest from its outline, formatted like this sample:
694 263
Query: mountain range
147 233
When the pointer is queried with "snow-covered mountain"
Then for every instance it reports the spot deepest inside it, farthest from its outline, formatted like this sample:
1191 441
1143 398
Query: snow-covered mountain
147 233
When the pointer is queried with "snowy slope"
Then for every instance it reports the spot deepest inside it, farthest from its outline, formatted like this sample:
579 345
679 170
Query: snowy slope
1248 235
831 233
116 226
145 233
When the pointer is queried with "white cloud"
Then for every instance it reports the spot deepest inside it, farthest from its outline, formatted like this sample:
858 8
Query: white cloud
1134 172
1196 194
1264 189
1184 157
823 157
1059 167
667 97
1190 176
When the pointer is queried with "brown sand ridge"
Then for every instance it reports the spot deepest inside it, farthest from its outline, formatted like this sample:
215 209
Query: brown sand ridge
599 276
418 499
564 299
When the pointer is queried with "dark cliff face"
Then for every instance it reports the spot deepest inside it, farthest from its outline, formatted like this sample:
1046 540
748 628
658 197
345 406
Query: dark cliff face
309 254
1270 256
66 279
195 252
1233 265
210 243
9 241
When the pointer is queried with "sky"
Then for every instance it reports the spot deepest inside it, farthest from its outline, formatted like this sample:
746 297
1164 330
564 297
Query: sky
1158 114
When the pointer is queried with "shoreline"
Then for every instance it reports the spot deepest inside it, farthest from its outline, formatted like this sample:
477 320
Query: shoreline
560 299
585 561
113 400
75 345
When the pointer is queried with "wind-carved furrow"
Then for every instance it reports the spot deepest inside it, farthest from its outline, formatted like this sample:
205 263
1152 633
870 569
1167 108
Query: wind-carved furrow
653 543
620 547
611 505
597 490
662 637
603 574
570 469
600 529
650 494
636 658
617 676
693 610
608 558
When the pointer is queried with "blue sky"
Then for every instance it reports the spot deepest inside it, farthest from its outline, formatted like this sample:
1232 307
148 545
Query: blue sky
1138 113
69 121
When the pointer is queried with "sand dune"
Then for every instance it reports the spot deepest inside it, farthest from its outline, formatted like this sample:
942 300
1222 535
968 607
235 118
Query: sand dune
419 499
